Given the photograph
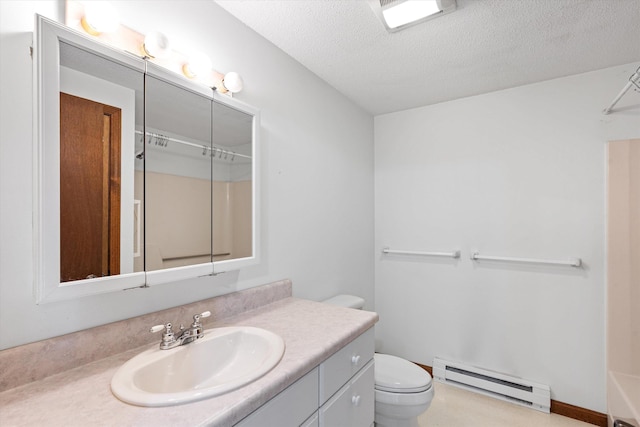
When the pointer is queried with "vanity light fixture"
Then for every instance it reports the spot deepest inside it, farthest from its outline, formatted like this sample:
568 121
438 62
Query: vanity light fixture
156 45
397 15
199 64
231 82
99 17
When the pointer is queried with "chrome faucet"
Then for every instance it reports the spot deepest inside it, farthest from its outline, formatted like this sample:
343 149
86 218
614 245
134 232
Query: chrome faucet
185 336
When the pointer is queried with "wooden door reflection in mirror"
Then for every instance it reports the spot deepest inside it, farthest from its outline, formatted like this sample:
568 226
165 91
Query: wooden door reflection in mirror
100 113
90 188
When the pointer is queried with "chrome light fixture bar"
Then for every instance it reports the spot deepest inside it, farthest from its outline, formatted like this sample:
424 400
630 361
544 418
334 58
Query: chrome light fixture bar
396 15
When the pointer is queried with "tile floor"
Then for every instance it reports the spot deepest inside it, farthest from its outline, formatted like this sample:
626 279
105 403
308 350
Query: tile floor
455 407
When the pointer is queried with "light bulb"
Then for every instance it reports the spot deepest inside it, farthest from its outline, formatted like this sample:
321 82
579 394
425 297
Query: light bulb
156 45
232 82
199 64
99 17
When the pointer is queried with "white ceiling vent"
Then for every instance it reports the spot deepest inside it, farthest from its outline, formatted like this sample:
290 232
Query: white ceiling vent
397 15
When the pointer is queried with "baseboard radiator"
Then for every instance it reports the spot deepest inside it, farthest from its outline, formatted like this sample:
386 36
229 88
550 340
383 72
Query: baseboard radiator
504 387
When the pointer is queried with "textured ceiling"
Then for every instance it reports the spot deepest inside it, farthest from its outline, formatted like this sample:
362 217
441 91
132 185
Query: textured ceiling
483 46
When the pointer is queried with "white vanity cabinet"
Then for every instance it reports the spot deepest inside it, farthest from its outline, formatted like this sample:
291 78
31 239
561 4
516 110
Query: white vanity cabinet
353 404
338 392
347 384
291 407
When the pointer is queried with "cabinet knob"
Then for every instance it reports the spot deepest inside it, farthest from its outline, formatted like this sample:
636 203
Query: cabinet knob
355 359
355 400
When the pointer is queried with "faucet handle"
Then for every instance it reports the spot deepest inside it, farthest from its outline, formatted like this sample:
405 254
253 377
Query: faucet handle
156 328
196 329
197 317
168 339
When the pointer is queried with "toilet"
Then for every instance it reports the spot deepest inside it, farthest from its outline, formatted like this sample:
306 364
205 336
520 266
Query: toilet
403 390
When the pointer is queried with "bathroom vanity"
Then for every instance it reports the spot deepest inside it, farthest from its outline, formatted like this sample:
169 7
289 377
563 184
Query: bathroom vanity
325 377
338 392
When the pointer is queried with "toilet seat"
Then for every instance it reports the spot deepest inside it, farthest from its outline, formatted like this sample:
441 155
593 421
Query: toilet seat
396 375
404 399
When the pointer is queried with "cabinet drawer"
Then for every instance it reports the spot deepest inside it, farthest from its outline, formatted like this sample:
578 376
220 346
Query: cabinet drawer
339 368
354 404
291 407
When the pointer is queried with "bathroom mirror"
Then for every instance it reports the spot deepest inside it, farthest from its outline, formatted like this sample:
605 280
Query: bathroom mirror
173 170
178 179
235 148
98 121
89 106
200 193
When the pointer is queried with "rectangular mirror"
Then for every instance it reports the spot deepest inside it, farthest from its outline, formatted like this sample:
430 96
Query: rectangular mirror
98 121
89 109
232 206
142 176
178 181
235 187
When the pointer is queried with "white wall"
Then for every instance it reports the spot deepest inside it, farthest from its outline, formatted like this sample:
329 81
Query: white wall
317 226
520 173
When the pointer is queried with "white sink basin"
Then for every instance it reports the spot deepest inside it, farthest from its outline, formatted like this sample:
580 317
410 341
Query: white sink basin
223 360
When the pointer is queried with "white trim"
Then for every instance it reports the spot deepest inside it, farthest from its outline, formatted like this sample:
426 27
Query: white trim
238 263
46 212
168 275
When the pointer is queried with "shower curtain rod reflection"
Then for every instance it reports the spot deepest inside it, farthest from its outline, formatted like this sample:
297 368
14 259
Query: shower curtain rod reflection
163 141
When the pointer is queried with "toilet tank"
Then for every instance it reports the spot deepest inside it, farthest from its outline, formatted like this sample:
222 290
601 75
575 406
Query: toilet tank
350 301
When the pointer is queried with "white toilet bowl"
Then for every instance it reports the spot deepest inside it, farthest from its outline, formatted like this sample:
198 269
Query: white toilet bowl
403 390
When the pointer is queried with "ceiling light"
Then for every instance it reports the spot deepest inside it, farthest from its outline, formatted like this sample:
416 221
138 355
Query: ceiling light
402 13
397 15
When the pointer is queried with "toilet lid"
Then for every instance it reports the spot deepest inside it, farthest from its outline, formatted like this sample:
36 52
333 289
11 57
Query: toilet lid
398 375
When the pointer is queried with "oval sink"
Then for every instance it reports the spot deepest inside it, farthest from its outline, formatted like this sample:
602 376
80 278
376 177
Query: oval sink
223 360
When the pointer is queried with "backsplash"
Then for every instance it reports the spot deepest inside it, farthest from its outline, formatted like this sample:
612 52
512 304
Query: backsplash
35 361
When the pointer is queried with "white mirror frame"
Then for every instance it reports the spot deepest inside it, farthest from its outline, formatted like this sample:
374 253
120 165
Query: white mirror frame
236 264
46 166
46 212
213 268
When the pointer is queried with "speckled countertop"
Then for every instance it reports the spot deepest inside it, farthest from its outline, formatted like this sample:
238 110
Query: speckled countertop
82 397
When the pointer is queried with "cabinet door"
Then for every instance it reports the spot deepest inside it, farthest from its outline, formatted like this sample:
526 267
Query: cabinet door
339 368
353 404
291 407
